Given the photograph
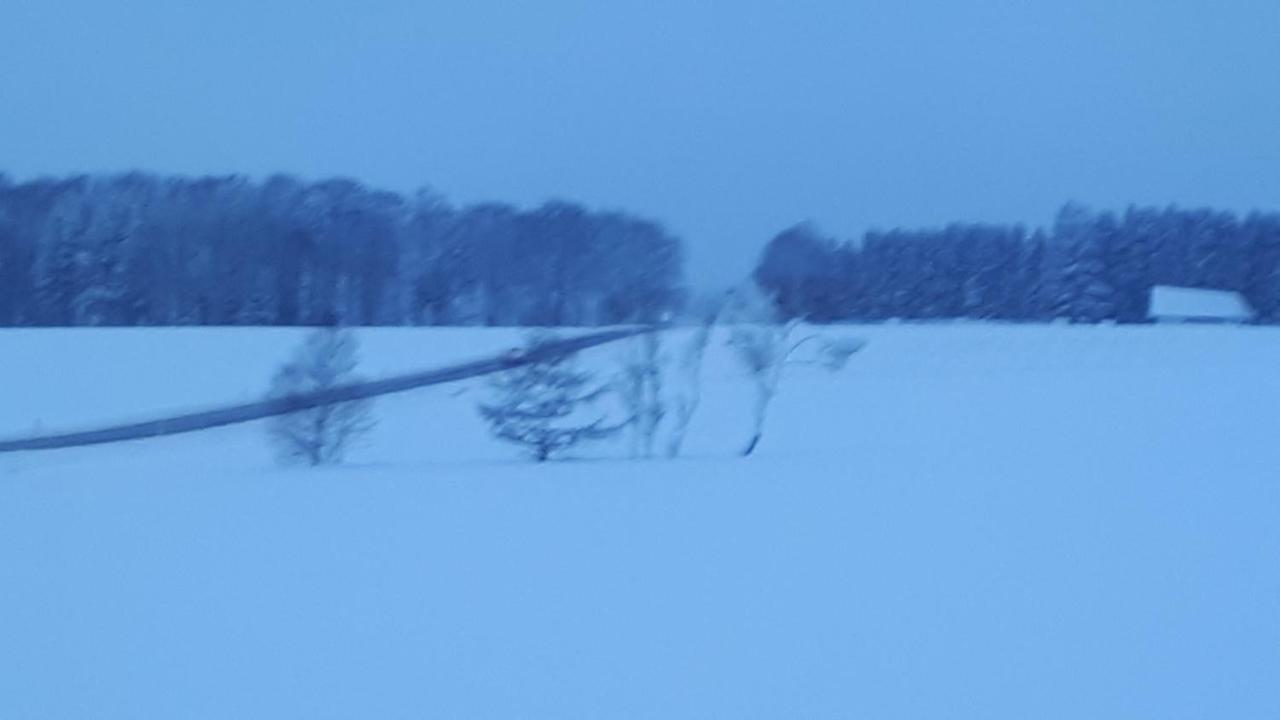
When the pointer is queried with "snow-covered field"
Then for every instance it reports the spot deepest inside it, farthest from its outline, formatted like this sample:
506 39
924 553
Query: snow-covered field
969 521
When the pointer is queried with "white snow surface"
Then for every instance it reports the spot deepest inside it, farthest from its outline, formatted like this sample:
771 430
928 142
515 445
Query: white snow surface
969 521
1198 303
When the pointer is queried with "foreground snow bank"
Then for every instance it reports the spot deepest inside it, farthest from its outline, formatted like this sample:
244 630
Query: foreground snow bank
970 521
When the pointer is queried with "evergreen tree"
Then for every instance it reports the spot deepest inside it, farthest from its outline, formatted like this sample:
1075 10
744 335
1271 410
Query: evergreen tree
546 406
1085 292
1262 278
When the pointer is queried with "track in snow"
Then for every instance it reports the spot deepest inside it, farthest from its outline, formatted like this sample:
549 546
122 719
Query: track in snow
246 412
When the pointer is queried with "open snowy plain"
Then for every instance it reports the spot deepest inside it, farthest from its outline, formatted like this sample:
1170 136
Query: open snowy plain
968 521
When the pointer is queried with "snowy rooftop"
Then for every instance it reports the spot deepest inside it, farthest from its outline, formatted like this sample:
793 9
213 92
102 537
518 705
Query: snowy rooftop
1181 302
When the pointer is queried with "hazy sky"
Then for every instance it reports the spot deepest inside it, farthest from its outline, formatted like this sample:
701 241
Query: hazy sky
726 120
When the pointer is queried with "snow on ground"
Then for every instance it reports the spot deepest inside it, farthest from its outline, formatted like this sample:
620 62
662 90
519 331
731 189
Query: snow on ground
969 521
1183 303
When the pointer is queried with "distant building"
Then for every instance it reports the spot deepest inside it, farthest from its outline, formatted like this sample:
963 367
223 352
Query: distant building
1187 305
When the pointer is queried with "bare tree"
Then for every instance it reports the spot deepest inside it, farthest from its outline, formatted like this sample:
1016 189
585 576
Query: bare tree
640 387
765 346
686 400
321 435
546 406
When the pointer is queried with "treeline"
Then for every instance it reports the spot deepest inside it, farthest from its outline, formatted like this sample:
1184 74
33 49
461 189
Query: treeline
139 249
1089 267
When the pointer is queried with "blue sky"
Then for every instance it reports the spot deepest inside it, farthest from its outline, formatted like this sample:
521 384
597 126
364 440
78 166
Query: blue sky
728 120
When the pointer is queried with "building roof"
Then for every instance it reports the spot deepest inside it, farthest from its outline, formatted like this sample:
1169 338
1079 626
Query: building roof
1181 302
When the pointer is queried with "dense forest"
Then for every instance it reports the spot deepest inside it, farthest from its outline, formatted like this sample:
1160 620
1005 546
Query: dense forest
139 249
1089 267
